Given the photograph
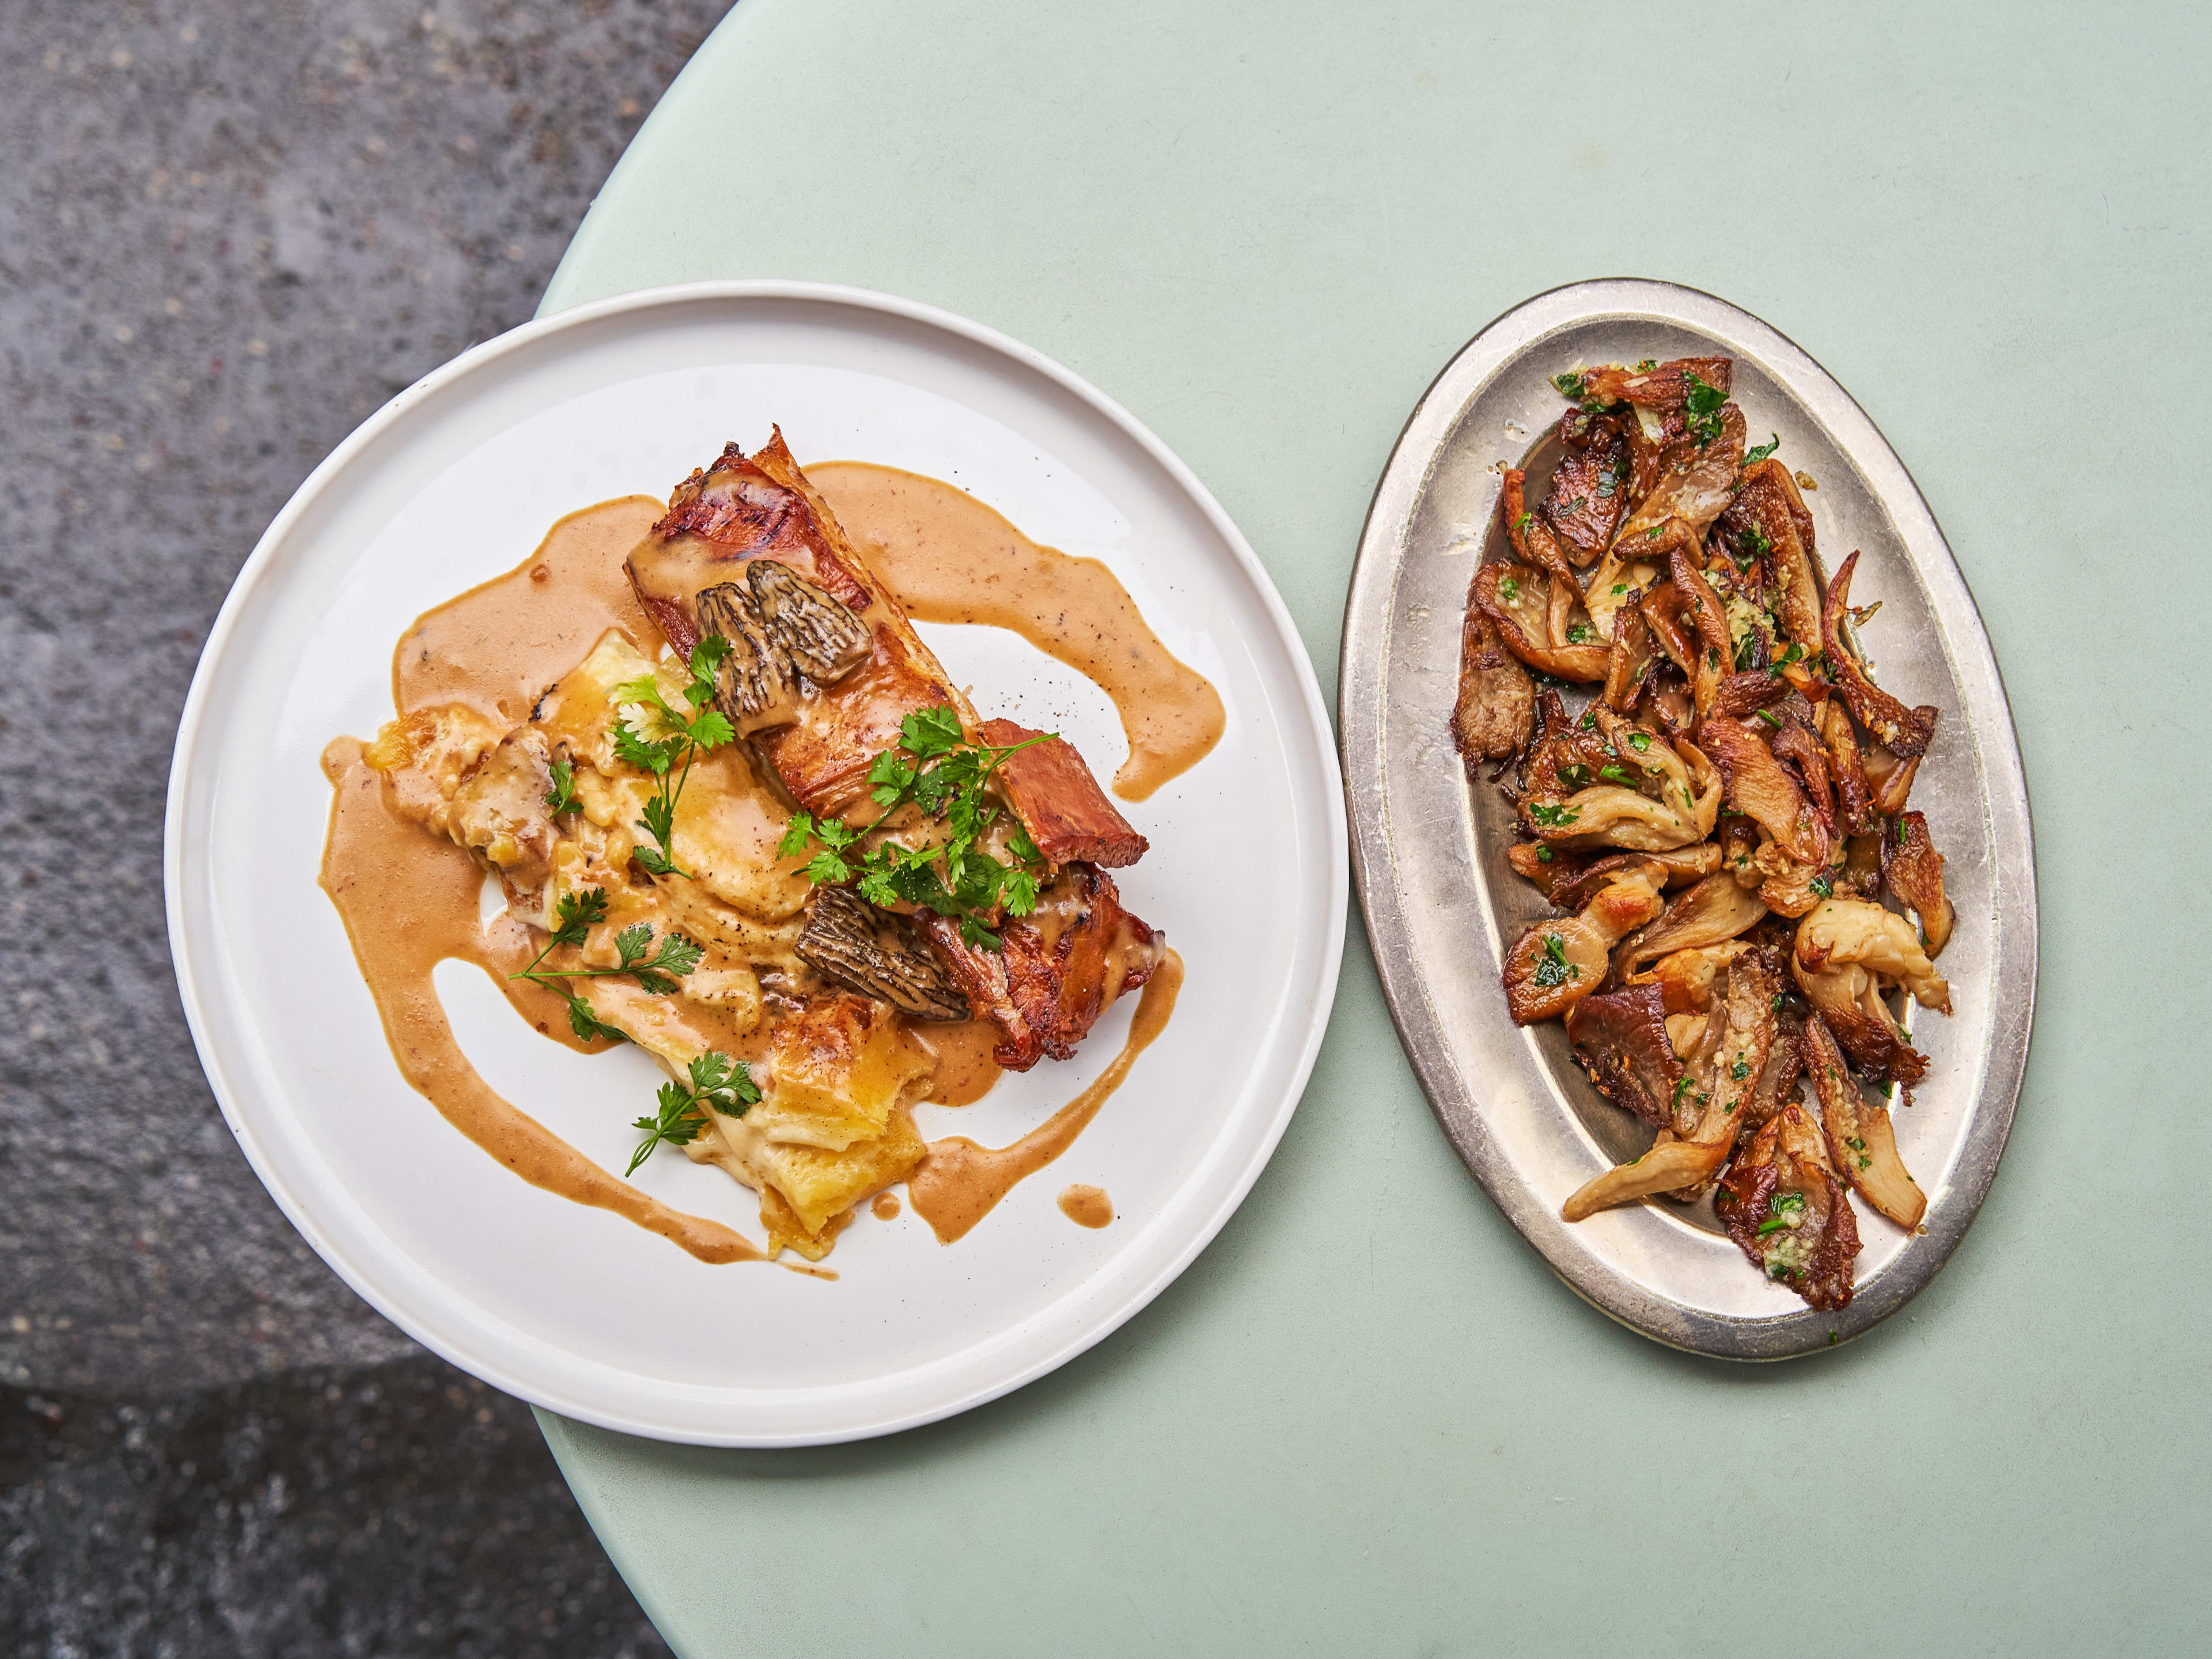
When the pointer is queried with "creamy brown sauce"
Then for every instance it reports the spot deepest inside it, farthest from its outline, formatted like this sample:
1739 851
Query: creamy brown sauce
959 1182
950 559
1086 1206
409 899
500 644
965 1070
409 902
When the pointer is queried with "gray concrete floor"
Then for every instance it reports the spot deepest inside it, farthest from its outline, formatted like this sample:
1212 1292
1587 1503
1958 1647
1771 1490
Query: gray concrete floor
227 231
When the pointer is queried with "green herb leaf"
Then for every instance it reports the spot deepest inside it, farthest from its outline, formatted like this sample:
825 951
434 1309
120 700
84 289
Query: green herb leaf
1763 450
1552 818
562 797
1701 406
1552 967
1823 886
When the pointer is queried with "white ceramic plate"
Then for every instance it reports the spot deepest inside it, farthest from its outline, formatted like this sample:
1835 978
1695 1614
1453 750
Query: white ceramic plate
456 480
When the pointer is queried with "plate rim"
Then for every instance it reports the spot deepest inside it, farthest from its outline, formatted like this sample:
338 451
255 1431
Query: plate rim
196 968
1361 703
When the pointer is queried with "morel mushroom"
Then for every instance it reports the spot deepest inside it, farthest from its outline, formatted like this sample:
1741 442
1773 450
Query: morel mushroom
849 941
780 626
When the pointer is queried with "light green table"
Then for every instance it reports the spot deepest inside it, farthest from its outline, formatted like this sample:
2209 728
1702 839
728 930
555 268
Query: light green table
1369 1419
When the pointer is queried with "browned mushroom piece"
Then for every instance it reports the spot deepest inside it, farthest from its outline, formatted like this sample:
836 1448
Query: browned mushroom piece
1904 732
1620 1039
1590 490
1496 701
1844 951
1762 789
1914 869
1630 668
1846 771
1781 1203
1889 780
1533 539
1518 598
1862 1143
1663 386
1557 963
1767 520
1714 911
1741 696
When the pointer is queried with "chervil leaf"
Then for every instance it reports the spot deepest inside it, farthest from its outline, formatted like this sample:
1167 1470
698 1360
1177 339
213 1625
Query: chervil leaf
574 914
632 941
796 835
678 955
1017 891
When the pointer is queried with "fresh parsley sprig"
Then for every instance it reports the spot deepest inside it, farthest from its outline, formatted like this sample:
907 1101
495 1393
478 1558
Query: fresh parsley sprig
667 751
939 770
575 916
717 1081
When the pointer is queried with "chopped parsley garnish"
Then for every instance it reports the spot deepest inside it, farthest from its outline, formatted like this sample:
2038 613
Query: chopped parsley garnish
1552 967
1763 450
1611 475
1580 634
1647 365
1617 775
1740 1070
1552 818
1509 590
1794 654
939 770
1571 386
1639 741
680 738
1543 854
1746 653
1823 886
1770 718
717 1081
1702 408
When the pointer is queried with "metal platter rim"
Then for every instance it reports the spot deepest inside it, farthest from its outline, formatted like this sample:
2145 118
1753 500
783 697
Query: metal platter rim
1364 737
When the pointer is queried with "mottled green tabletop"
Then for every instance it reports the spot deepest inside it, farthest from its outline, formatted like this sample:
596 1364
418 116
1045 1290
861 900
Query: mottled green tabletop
1369 1419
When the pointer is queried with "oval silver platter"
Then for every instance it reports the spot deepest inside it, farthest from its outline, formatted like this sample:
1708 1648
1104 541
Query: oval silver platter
1429 846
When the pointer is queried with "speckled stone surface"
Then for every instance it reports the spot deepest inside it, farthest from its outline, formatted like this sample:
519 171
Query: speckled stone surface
228 233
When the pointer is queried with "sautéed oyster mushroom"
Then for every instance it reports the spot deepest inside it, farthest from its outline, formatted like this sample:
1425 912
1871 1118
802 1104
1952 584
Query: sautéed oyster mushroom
1744 905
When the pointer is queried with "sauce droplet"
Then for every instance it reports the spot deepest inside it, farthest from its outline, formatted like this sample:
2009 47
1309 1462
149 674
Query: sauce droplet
886 1206
1086 1206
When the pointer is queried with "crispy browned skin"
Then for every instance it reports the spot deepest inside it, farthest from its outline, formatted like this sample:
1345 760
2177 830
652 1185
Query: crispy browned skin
1059 802
747 507
1045 993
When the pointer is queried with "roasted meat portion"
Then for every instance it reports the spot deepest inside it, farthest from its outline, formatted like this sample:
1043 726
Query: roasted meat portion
1056 971
824 667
